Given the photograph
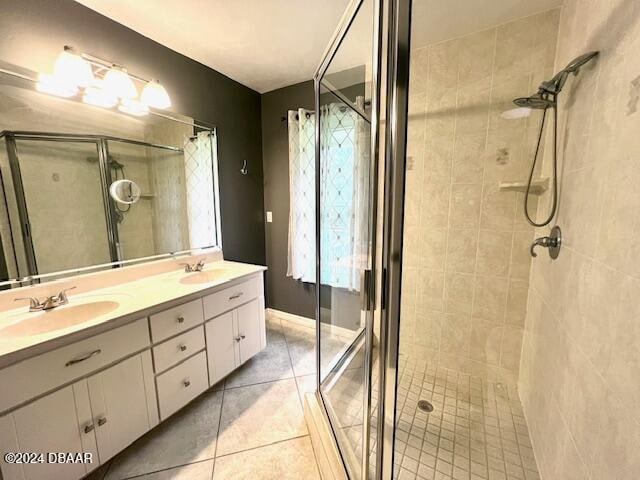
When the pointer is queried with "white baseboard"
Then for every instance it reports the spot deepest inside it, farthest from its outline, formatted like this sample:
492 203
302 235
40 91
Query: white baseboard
309 322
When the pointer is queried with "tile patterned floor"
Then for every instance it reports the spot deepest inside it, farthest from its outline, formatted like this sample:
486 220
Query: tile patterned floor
477 430
250 426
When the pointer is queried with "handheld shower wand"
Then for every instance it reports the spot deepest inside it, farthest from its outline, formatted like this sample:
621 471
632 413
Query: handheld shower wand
547 97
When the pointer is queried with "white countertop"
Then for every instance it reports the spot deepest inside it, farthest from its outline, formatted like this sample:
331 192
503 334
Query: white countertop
131 301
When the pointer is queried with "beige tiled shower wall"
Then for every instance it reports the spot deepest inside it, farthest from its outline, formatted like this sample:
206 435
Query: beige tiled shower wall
466 260
580 369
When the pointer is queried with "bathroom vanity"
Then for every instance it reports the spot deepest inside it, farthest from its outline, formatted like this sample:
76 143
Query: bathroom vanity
92 376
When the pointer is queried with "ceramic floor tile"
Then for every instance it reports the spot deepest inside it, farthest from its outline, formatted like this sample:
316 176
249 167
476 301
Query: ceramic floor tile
275 334
298 333
306 384
258 415
303 356
99 473
473 417
287 460
194 471
270 364
189 436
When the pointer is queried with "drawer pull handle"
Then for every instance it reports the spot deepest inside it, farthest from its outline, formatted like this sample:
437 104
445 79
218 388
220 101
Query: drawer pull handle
186 383
83 358
180 319
242 336
89 428
238 339
182 348
236 295
102 421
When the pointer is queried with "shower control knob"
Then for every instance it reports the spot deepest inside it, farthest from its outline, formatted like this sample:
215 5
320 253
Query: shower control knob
552 242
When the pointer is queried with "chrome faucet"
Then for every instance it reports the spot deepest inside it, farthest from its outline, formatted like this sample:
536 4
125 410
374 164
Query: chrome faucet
194 267
48 303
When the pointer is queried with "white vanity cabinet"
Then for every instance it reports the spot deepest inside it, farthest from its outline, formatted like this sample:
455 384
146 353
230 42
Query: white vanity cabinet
50 424
98 395
235 326
235 337
123 404
101 415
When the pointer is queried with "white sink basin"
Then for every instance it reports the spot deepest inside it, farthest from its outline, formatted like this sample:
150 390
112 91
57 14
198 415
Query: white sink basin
206 276
37 323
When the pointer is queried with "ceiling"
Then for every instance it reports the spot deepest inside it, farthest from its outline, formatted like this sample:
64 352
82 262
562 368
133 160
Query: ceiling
268 44
263 44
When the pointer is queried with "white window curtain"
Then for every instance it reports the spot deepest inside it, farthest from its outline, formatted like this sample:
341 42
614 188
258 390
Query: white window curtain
344 196
302 230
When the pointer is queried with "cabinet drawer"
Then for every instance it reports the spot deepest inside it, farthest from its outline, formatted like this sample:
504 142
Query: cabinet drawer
178 348
30 378
181 384
175 320
231 297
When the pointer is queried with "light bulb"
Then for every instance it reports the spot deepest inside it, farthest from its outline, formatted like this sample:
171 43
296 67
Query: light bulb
155 95
119 83
133 107
53 85
99 97
73 69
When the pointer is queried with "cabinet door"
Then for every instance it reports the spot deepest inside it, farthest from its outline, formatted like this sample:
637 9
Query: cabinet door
222 346
120 404
50 424
249 329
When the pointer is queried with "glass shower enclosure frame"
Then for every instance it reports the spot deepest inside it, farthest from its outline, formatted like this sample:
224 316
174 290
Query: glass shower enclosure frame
360 347
390 84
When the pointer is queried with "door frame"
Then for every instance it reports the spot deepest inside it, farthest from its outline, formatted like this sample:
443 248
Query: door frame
368 293
398 62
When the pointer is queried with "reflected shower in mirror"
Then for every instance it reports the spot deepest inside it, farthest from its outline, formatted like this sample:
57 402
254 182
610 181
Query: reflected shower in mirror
86 188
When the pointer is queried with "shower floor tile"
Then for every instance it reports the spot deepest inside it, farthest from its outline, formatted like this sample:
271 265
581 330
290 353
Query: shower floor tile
476 431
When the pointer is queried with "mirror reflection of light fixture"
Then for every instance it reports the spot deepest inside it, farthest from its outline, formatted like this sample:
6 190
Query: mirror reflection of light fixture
99 97
133 107
71 68
51 84
155 95
118 82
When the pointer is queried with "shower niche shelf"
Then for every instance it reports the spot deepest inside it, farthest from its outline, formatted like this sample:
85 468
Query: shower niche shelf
538 186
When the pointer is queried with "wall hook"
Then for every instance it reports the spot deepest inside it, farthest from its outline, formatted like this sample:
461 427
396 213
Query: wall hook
244 170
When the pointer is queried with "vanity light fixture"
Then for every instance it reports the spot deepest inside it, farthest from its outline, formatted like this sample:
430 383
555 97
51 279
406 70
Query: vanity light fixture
99 97
48 83
72 69
118 82
102 84
155 95
133 107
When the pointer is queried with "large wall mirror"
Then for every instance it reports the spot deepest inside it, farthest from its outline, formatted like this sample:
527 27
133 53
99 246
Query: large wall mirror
84 188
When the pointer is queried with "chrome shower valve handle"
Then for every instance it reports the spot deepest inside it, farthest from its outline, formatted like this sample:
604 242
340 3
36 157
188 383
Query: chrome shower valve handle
552 242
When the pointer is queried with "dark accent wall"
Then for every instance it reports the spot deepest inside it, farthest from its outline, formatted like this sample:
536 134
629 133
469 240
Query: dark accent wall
32 33
283 293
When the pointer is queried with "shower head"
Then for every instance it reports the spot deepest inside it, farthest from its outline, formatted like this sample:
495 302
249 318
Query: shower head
536 102
555 85
545 97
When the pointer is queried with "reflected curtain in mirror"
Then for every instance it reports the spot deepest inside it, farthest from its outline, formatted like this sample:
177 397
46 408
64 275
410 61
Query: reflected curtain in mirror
199 154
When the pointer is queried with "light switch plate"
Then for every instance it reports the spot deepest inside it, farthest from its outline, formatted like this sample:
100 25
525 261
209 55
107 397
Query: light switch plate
269 217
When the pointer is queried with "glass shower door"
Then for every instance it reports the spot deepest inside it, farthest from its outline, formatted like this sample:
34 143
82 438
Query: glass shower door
345 213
